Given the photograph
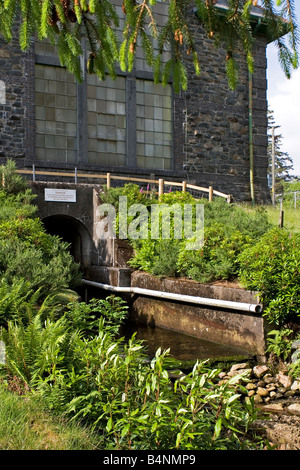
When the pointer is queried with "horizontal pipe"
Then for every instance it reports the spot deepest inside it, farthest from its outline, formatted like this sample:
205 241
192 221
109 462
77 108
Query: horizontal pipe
241 306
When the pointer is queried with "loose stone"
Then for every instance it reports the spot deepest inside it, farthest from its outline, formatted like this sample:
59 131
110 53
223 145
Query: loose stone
274 407
270 387
243 365
294 409
285 380
295 385
251 386
262 392
260 370
268 378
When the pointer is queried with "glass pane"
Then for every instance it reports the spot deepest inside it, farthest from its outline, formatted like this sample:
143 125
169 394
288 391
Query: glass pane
107 121
56 115
154 125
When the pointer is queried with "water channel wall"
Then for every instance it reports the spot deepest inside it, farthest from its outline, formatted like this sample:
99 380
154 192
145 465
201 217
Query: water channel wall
243 330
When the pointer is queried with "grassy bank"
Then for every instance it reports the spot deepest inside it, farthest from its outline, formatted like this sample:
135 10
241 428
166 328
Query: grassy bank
291 216
25 425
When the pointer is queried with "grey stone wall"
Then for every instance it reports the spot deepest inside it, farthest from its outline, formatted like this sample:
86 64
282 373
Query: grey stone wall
17 110
217 135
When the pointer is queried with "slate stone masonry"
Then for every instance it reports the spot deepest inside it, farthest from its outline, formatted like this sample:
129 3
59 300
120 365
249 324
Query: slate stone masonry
17 112
216 143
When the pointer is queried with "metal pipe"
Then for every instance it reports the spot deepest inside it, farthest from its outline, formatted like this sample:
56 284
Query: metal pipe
251 137
241 306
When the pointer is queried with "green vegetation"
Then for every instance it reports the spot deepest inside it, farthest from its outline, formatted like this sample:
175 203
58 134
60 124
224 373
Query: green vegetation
26 425
240 243
66 22
31 260
69 367
272 267
291 206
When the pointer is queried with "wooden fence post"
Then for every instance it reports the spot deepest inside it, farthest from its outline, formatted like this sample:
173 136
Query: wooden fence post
281 215
160 187
183 186
108 180
210 194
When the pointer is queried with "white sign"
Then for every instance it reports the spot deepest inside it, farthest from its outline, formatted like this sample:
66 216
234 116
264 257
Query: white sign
60 195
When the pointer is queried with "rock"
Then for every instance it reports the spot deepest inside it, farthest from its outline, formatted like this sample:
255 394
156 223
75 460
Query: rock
295 356
222 375
262 392
270 387
235 367
251 386
261 383
258 399
282 389
260 370
294 409
289 393
268 378
234 372
274 407
295 385
285 380
251 393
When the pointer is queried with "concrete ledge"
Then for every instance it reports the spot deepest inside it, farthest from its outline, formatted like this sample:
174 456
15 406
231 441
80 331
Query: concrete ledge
245 331
109 275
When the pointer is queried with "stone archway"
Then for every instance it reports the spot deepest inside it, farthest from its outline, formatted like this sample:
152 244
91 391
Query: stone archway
73 232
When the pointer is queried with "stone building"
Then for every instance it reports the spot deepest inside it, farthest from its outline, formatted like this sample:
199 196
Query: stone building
130 126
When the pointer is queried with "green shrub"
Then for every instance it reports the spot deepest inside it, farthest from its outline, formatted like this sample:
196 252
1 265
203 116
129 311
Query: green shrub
279 343
86 316
132 404
228 229
47 271
272 267
217 259
12 182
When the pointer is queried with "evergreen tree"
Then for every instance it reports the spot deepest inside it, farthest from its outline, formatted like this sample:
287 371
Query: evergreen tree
283 162
67 22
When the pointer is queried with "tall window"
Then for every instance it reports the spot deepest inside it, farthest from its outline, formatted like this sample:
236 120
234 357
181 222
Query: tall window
153 125
56 114
126 122
106 110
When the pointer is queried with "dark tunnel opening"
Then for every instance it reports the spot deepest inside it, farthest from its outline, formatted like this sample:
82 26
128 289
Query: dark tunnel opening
74 233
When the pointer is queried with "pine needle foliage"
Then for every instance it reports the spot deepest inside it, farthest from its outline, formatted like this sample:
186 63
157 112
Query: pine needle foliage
112 37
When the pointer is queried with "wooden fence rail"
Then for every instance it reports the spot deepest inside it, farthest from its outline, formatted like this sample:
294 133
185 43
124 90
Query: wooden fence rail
108 177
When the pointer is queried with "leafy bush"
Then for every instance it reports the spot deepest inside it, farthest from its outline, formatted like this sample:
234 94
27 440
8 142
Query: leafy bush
11 181
279 343
86 316
272 267
130 403
16 205
46 270
16 300
217 259
228 229
28 252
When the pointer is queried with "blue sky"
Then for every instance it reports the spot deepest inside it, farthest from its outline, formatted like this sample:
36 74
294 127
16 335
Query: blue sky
284 99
